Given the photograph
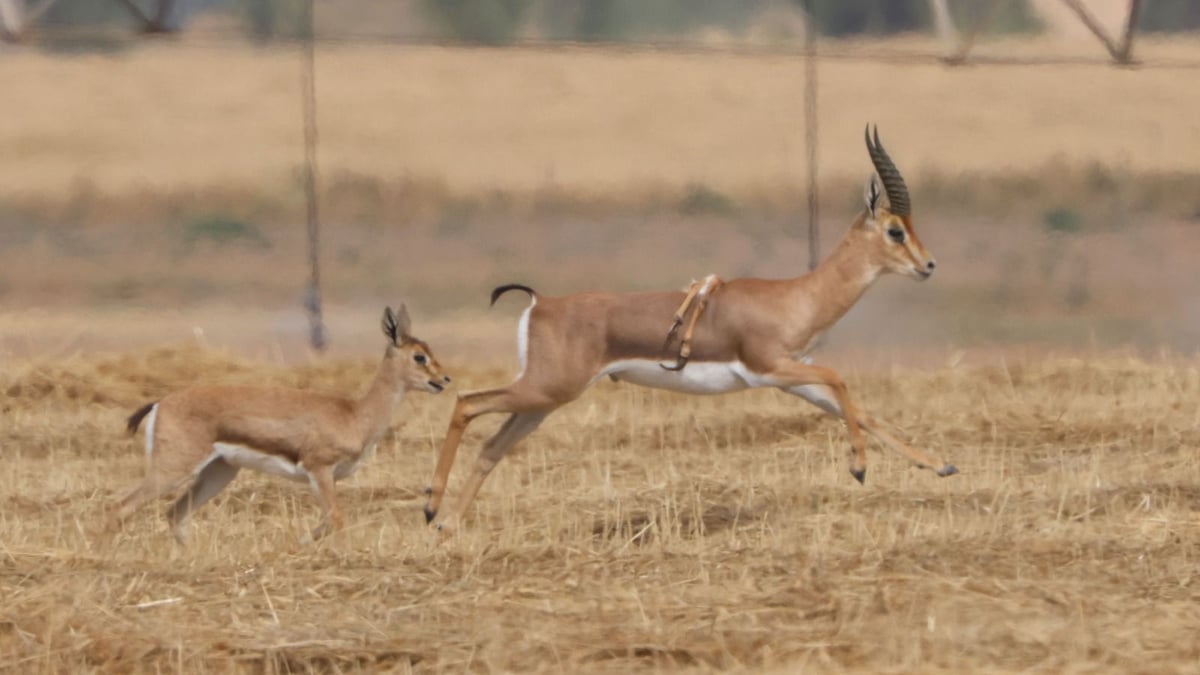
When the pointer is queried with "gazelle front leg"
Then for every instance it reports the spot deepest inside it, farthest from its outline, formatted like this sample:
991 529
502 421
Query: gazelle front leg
823 398
789 374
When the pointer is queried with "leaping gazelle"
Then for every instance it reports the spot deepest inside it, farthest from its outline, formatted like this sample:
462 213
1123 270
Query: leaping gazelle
198 438
747 333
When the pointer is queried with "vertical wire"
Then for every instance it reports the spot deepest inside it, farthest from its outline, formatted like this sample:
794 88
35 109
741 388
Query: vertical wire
810 131
312 298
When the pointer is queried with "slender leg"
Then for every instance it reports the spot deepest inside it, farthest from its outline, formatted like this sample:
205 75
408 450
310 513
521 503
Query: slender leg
162 478
512 398
321 479
823 398
699 293
208 484
681 313
516 427
789 374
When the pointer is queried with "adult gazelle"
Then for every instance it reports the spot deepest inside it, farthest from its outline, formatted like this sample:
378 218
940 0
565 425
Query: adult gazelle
743 333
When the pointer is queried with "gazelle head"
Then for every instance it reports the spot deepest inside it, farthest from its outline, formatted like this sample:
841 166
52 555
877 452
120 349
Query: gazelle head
896 247
409 358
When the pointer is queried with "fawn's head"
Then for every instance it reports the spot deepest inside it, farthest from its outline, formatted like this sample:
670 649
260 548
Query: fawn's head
894 243
411 360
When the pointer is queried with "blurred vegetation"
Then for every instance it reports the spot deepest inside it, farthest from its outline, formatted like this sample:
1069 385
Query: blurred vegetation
1169 15
1062 219
496 22
267 20
484 21
501 21
222 230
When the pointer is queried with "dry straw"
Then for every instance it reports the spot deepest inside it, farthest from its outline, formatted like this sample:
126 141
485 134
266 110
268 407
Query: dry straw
637 531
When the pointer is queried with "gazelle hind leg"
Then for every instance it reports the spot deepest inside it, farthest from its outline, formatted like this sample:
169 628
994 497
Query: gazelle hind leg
208 484
513 398
322 481
515 428
822 397
161 479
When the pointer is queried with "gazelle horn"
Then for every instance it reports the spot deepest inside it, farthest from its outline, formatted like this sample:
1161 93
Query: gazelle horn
893 182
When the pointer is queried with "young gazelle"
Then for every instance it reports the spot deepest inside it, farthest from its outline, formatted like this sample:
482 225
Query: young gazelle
747 333
198 438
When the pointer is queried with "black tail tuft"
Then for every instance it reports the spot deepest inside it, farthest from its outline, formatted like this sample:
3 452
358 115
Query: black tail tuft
135 420
501 290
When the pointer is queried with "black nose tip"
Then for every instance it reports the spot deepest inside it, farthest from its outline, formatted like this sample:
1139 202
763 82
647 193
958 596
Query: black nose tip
930 265
446 378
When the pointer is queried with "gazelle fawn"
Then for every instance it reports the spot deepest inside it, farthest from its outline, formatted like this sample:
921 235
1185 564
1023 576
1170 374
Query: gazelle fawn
742 334
197 439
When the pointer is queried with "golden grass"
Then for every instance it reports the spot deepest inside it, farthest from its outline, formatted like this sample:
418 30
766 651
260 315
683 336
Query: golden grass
196 116
637 530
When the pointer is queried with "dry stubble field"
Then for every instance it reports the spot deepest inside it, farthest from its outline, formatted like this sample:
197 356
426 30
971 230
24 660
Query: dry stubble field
636 530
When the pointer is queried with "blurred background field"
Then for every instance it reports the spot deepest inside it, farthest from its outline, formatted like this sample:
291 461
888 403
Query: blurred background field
1059 198
152 234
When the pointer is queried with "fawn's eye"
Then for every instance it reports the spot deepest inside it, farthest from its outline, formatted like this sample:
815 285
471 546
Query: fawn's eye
896 234
419 358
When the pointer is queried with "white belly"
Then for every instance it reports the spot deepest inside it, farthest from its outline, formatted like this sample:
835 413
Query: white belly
698 377
248 458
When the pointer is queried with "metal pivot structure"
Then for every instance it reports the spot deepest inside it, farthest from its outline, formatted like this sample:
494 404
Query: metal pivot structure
958 46
16 16
308 91
810 131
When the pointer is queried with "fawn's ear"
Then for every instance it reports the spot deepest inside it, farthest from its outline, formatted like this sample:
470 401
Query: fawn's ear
403 323
388 324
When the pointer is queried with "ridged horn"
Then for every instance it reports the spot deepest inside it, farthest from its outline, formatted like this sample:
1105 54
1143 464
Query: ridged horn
893 182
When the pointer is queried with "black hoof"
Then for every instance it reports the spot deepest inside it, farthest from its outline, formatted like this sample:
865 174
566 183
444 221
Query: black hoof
429 515
947 470
860 476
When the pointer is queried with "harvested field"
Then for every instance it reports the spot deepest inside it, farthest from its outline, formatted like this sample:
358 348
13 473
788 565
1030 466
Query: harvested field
637 530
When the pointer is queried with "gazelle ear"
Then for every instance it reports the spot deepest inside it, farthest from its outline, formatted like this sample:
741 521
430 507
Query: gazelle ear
871 195
388 324
403 323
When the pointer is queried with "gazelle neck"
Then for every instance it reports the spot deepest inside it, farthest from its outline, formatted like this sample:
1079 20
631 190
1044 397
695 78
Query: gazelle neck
386 392
832 288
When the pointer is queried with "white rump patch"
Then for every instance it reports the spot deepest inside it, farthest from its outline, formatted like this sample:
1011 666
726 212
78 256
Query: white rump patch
247 458
523 338
150 431
697 377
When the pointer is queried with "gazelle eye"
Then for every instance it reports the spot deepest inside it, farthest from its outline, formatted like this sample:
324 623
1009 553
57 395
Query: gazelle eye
419 358
896 234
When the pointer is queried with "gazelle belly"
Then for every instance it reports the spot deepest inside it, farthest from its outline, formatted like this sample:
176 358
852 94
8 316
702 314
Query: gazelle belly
697 377
248 458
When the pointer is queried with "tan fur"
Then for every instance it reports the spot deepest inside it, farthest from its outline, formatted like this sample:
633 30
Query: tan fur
762 326
325 437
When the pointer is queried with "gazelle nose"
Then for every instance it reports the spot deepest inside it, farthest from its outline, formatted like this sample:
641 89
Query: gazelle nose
446 379
930 265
